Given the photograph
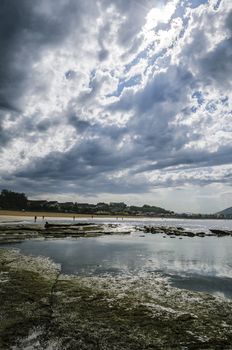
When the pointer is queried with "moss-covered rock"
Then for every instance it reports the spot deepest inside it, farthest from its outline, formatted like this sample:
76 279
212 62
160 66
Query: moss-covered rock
43 309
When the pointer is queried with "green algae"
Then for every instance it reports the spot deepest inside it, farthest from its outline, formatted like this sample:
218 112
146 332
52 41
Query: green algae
43 309
24 297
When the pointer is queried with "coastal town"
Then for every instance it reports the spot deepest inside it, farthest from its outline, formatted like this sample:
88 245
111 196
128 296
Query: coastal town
10 200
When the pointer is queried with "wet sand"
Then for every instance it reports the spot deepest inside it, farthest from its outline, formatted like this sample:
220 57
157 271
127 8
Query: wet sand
11 215
19 215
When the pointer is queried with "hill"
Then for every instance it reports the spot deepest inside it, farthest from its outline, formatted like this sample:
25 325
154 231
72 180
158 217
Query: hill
226 212
10 200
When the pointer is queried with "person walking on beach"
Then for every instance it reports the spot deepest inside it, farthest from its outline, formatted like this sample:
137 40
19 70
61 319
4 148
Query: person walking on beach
35 218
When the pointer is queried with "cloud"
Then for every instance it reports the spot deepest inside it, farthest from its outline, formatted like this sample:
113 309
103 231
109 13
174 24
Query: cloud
115 96
216 66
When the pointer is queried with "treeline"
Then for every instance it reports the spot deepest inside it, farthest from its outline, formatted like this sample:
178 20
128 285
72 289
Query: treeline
10 200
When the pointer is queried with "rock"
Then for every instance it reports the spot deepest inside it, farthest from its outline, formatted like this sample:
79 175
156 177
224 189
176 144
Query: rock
177 233
189 234
180 231
185 317
200 234
221 233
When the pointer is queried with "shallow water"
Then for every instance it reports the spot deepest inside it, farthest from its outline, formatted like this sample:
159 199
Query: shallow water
202 264
195 225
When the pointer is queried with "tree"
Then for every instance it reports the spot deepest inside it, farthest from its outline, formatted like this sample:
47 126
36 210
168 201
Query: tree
12 200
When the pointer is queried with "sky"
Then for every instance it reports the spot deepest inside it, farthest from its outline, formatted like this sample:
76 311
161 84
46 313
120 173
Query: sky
114 100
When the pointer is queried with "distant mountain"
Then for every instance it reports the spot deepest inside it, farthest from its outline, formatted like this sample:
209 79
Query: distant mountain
226 212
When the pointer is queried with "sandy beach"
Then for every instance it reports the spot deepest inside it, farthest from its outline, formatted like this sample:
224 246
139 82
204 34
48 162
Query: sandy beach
11 215
14 215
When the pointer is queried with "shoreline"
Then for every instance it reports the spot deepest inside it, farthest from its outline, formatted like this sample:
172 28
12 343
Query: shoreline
39 214
8 214
12 231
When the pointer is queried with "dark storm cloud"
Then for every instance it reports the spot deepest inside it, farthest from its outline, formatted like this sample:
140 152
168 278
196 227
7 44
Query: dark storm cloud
27 28
86 187
190 160
79 124
89 129
31 129
217 65
213 66
90 158
88 168
85 165
23 33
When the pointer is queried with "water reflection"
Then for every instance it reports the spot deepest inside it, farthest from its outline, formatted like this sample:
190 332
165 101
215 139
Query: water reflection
215 285
194 263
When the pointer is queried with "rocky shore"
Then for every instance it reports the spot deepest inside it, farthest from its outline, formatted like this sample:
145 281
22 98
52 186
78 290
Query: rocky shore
181 232
11 233
44 309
